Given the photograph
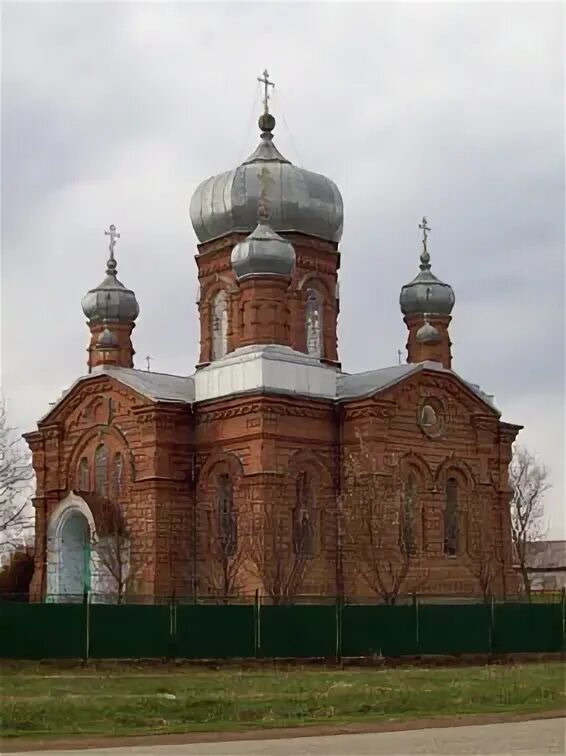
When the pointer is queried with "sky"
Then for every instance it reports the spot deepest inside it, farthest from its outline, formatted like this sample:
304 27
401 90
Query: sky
114 112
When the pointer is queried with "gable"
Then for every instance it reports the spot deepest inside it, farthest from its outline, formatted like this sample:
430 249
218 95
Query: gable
448 395
128 382
92 402
381 382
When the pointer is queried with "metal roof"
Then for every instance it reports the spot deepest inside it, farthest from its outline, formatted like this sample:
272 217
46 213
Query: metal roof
159 387
546 554
364 384
162 387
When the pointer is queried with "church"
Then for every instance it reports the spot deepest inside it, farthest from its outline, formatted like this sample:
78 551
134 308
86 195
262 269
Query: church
270 468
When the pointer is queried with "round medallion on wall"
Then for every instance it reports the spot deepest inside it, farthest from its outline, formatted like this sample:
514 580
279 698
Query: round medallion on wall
431 418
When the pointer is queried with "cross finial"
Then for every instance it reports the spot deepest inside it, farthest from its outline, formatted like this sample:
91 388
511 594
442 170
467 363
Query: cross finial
266 84
148 359
114 235
425 257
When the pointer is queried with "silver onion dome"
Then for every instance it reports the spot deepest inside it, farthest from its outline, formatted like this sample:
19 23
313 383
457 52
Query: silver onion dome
428 334
111 300
426 294
263 252
299 200
107 339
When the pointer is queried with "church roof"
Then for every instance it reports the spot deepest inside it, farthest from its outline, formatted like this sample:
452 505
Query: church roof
162 387
159 387
363 384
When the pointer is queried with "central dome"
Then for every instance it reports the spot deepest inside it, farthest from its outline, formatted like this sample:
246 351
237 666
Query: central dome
299 200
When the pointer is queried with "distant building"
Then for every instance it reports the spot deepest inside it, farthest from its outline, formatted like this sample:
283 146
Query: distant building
161 466
547 565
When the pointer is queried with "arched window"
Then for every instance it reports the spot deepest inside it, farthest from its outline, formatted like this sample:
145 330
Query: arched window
303 516
408 515
101 470
219 325
117 472
227 515
83 482
451 515
313 323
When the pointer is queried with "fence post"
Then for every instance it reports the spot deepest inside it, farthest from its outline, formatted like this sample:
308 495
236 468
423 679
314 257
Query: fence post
172 627
86 604
338 630
563 616
491 626
256 624
417 635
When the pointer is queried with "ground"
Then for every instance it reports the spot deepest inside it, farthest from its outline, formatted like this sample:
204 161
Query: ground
531 738
48 701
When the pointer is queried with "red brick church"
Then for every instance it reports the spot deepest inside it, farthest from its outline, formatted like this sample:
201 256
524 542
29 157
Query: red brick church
270 467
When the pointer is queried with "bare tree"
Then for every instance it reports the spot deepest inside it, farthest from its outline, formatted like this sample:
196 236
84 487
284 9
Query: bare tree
16 486
226 554
16 574
529 482
278 553
118 565
381 528
484 563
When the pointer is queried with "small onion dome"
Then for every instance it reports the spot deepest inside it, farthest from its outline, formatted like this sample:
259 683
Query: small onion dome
427 334
263 252
426 294
299 200
107 339
110 300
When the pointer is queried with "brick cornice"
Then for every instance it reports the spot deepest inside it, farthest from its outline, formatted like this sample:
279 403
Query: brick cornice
163 416
264 404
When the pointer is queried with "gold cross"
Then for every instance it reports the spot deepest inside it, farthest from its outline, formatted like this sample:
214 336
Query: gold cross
266 83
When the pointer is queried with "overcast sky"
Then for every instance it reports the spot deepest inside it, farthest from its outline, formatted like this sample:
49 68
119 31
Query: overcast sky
113 113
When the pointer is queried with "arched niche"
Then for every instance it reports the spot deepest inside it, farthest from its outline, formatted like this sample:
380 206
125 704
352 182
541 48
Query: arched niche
80 557
70 537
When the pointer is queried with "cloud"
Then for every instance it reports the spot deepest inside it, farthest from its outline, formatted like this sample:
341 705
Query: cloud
113 113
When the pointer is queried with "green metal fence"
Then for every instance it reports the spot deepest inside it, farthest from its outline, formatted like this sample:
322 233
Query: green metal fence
218 632
99 631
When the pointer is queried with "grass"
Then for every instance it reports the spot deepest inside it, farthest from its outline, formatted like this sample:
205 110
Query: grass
40 701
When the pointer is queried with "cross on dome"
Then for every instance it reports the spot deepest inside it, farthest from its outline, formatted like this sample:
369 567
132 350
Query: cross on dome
266 84
114 235
425 256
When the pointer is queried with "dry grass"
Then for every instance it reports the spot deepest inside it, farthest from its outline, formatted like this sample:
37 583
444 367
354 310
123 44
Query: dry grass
38 701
